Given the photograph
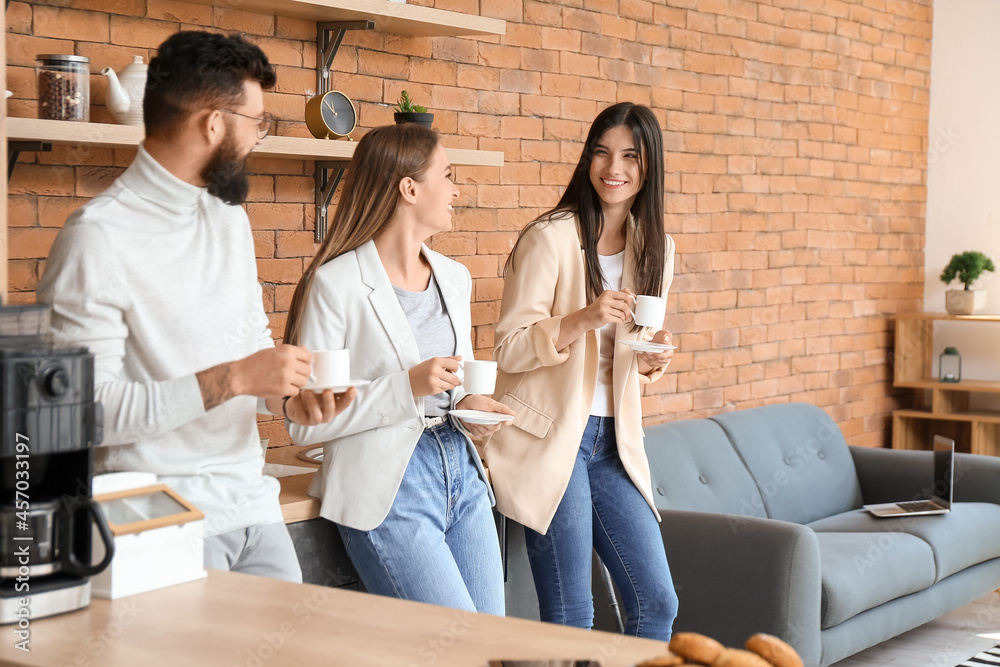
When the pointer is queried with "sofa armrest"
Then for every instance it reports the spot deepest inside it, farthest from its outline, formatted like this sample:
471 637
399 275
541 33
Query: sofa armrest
736 576
976 478
891 475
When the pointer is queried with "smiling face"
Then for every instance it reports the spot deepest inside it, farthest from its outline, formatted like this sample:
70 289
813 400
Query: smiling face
435 191
615 169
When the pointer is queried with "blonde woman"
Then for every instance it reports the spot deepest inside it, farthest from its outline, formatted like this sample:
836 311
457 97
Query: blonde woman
400 478
573 468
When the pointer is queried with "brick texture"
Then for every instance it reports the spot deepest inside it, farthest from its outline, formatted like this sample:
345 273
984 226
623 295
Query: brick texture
795 135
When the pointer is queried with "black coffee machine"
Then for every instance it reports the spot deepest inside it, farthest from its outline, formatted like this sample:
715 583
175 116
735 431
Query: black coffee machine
48 424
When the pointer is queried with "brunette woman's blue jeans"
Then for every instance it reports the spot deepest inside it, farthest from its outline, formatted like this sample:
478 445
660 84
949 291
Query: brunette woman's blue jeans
439 542
603 510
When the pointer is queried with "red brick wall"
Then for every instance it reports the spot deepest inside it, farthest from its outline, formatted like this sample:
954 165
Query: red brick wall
796 135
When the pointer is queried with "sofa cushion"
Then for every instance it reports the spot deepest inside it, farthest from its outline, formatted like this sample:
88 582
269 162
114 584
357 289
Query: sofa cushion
860 571
694 467
799 459
964 537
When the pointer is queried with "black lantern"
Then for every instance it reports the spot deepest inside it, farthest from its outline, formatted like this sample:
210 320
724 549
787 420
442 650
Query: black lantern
950 368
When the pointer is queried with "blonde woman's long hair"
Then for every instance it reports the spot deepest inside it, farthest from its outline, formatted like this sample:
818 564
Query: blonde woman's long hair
383 157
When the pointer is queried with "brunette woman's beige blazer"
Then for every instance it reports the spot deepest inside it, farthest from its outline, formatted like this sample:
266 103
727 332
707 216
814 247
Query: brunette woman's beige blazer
550 391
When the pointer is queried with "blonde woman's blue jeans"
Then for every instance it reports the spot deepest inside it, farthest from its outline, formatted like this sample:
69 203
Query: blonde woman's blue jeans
439 542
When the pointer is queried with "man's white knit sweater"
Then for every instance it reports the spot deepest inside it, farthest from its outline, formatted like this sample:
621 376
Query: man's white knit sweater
158 278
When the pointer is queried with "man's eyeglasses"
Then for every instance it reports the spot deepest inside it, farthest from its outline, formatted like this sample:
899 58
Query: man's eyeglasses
263 122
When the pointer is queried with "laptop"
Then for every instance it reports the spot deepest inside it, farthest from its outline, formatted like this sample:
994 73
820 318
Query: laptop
940 503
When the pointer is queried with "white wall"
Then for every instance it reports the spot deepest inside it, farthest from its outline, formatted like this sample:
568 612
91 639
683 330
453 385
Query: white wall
963 170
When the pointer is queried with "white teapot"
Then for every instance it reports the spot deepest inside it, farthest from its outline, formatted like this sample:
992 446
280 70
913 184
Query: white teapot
126 90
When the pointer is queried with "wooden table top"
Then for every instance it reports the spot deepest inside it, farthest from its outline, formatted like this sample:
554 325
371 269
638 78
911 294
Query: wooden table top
233 619
296 504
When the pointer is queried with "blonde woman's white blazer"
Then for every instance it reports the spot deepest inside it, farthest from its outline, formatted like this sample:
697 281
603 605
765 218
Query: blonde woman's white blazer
368 446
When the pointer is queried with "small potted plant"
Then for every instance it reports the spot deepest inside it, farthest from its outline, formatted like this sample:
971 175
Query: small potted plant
408 112
967 267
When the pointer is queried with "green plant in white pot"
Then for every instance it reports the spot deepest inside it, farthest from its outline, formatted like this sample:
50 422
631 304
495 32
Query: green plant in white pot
967 267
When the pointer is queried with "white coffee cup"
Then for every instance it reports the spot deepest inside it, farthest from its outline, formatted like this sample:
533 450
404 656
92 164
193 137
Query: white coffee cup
650 311
480 377
330 368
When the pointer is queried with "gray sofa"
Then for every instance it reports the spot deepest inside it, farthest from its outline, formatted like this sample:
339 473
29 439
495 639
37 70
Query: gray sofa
764 532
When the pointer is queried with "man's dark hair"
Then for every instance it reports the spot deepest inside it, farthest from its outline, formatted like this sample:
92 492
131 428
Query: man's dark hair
194 70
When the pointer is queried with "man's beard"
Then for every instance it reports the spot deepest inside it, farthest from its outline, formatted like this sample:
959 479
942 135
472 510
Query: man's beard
226 174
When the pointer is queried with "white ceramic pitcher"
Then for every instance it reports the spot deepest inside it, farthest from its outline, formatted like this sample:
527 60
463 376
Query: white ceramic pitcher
126 90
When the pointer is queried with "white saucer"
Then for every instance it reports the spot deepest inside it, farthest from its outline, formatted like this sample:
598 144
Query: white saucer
647 346
337 388
481 416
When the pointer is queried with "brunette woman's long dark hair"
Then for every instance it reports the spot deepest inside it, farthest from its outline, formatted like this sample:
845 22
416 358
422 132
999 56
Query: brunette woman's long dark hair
645 233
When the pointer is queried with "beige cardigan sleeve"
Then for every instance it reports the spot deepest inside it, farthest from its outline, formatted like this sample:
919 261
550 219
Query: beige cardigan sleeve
527 331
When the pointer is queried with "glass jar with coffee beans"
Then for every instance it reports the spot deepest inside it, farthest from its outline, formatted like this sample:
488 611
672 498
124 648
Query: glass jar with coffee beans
63 87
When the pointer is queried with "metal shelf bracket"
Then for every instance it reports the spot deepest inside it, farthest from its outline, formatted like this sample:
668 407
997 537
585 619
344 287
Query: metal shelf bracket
329 174
328 39
15 148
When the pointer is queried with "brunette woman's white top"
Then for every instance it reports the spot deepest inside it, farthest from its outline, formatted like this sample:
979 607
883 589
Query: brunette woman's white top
604 403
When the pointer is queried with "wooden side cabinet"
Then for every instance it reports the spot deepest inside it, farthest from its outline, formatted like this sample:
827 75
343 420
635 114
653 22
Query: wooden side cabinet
948 412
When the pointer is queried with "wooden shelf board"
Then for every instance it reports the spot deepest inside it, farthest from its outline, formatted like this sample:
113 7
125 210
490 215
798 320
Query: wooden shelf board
984 386
394 17
989 417
106 135
949 316
986 416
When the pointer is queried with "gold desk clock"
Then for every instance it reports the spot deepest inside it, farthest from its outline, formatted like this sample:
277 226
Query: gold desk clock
331 115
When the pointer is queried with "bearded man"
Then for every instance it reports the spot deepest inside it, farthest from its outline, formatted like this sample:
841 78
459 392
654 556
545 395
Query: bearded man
157 276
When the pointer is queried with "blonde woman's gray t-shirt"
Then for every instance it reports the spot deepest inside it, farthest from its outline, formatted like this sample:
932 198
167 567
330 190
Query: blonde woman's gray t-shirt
431 326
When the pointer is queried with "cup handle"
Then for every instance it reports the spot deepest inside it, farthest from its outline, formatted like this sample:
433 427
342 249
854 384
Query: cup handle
633 297
82 569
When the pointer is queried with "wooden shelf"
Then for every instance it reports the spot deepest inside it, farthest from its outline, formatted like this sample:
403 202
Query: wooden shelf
975 432
395 17
984 386
949 316
986 416
949 414
106 135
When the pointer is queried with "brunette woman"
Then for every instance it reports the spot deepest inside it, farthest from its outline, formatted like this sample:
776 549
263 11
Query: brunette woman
573 467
